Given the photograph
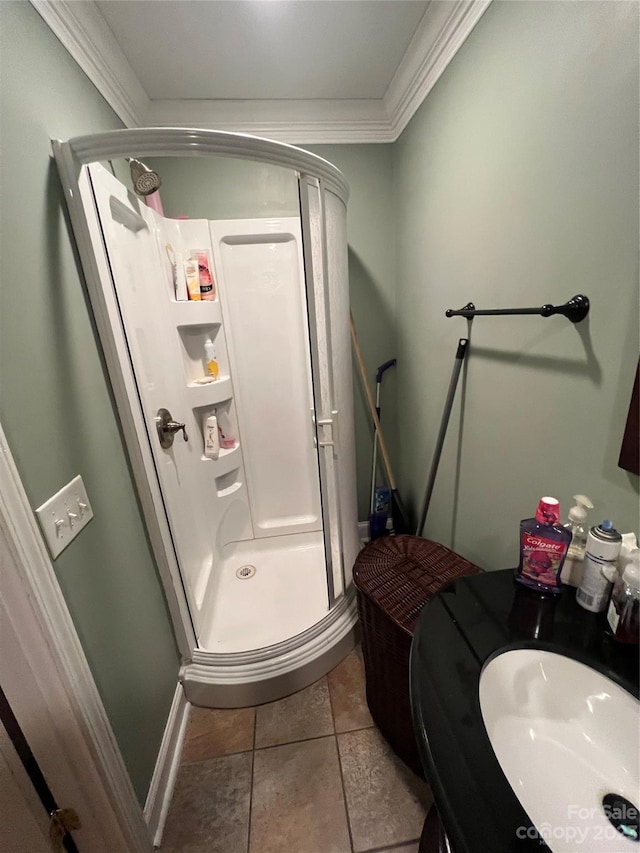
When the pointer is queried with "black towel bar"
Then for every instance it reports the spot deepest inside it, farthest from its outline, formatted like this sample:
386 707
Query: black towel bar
575 309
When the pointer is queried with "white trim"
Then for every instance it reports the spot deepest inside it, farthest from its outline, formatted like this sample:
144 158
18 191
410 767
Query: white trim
310 122
166 770
445 26
439 36
47 639
86 35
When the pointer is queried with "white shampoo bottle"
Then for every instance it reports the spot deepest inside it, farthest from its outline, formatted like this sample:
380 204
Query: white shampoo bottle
211 438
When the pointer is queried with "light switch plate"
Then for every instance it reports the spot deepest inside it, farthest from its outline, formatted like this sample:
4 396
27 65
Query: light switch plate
64 515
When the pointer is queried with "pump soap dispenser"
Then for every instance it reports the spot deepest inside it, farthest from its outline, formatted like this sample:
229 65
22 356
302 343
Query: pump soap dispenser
573 565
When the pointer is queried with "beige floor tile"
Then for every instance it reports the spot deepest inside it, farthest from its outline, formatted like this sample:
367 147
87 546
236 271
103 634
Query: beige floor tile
387 803
210 808
213 732
405 848
298 804
306 714
347 689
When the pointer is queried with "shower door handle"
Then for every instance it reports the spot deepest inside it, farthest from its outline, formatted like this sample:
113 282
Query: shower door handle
167 428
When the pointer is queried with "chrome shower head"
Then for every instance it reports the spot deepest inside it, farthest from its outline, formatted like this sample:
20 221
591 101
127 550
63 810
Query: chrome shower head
145 181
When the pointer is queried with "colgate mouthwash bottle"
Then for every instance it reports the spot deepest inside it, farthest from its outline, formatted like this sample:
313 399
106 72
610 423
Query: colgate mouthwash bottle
543 547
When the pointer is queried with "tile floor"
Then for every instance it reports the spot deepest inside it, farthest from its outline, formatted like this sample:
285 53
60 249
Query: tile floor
307 774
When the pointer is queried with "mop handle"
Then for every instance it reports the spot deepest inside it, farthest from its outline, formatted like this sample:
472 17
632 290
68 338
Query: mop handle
384 367
374 463
457 367
371 406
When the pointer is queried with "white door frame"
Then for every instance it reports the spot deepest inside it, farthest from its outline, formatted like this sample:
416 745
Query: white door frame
49 685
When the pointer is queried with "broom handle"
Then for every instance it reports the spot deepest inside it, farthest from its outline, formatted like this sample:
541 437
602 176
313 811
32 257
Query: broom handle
372 408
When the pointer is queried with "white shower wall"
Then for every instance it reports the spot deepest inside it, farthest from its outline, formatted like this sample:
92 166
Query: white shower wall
261 279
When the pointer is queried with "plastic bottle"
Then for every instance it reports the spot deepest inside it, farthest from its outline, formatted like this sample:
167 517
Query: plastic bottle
205 276
192 279
573 564
543 548
623 615
225 431
211 359
603 546
211 438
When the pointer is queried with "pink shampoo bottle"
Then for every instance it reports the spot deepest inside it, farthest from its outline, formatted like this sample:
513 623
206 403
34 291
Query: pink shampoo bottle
543 548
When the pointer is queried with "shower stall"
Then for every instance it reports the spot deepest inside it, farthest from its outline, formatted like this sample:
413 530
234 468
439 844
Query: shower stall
254 539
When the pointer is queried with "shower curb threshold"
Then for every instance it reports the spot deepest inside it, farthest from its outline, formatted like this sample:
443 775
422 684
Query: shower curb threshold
251 678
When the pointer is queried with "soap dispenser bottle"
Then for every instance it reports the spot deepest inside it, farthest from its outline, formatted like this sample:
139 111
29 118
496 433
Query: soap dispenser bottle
543 548
576 525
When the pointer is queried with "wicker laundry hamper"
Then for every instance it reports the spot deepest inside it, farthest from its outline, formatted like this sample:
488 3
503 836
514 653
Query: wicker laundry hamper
394 577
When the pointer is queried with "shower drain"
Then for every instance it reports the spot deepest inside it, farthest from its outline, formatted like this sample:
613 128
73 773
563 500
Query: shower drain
245 572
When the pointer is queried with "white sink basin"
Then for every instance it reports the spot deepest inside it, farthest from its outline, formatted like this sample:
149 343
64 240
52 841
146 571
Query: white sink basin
565 736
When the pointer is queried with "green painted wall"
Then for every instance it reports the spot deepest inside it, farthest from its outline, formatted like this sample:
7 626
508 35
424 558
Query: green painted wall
55 403
517 184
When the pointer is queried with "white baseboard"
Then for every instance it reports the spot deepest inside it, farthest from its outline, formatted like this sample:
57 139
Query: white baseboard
166 769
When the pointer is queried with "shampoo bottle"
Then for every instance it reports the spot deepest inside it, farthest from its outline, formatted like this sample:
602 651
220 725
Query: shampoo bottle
543 548
573 565
211 438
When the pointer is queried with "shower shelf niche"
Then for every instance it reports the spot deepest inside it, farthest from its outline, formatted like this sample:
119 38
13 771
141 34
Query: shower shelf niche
210 394
227 484
196 313
227 460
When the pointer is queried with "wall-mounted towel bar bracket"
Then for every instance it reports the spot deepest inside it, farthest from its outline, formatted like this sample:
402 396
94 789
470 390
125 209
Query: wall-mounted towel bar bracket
575 309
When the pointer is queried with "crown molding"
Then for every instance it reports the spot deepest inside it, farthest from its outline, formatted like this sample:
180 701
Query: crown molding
296 122
87 37
439 36
443 29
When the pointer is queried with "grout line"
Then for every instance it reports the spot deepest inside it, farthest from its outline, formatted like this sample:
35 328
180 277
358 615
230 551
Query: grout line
292 742
274 745
344 793
400 848
253 765
213 757
314 737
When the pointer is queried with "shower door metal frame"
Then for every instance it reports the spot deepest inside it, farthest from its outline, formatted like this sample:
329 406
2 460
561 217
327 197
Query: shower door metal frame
71 156
326 416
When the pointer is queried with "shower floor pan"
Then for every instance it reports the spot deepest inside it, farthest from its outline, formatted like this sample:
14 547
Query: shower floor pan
269 591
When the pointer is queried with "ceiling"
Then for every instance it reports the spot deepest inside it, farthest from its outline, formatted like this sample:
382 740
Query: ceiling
296 70
264 48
